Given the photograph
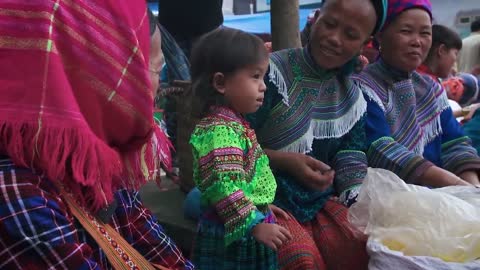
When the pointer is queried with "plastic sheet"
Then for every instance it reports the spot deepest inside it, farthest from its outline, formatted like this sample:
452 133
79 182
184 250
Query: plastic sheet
418 221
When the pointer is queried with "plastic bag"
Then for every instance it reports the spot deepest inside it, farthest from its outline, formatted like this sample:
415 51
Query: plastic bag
418 221
382 258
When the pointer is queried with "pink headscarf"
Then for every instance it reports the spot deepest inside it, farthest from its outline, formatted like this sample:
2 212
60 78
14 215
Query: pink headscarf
396 7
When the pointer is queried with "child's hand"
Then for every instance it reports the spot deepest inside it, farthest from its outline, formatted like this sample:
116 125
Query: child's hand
278 212
271 235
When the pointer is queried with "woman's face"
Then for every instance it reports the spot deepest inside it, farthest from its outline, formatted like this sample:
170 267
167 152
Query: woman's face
156 60
340 31
406 41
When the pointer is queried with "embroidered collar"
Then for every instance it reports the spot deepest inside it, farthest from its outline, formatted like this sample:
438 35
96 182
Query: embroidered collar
409 98
316 103
229 114
393 74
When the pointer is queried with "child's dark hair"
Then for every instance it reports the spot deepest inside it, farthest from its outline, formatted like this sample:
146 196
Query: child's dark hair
380 10
475 26
446 36
223 50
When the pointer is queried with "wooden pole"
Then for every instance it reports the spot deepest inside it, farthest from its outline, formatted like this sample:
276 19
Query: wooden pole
285 24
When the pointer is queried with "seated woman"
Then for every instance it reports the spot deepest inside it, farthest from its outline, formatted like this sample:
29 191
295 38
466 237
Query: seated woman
311 126
410 127
76 137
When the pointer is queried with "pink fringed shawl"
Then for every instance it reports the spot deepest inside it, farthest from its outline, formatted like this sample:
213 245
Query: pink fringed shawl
75 103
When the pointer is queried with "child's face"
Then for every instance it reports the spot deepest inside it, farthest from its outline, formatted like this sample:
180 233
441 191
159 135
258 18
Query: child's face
446 61
244 89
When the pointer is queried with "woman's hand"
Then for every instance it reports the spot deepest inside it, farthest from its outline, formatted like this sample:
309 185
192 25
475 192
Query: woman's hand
437 177
471 111
309 171
470 177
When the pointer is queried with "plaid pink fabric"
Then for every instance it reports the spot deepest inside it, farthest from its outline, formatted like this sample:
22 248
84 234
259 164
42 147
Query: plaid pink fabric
395 7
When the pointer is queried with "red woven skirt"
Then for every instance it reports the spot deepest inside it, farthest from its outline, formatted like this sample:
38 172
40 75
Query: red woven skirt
325 243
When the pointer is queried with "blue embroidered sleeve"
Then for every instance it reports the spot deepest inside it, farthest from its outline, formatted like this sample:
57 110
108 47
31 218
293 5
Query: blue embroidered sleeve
457 153
350 163
384 152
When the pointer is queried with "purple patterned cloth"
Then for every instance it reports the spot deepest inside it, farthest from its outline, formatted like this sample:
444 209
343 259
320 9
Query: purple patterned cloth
395 7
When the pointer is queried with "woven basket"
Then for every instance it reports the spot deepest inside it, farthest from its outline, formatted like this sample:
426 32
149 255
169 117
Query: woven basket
185 125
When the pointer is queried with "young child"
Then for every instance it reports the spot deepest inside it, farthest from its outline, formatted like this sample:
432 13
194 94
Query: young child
443 53
236 229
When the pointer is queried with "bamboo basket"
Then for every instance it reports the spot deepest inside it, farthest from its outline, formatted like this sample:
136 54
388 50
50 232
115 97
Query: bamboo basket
185 125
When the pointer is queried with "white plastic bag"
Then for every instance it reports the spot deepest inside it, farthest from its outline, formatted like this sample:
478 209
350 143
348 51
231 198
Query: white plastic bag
382 258
418 221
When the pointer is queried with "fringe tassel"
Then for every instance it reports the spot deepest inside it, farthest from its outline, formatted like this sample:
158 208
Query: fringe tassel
430 132
370 93
146 164
434 128
276 77
443 103
327 129
84 164
75 158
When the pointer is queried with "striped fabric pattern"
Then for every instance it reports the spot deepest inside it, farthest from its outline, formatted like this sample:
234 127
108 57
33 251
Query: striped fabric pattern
316 105
231 170
325 243
351 169
210 253
386 153
410 125
317 112
458 155
412 104
234 210
233 174
38 231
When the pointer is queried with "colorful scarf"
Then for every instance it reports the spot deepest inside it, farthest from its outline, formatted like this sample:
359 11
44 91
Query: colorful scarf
315 105
76 102
396 7
412 103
